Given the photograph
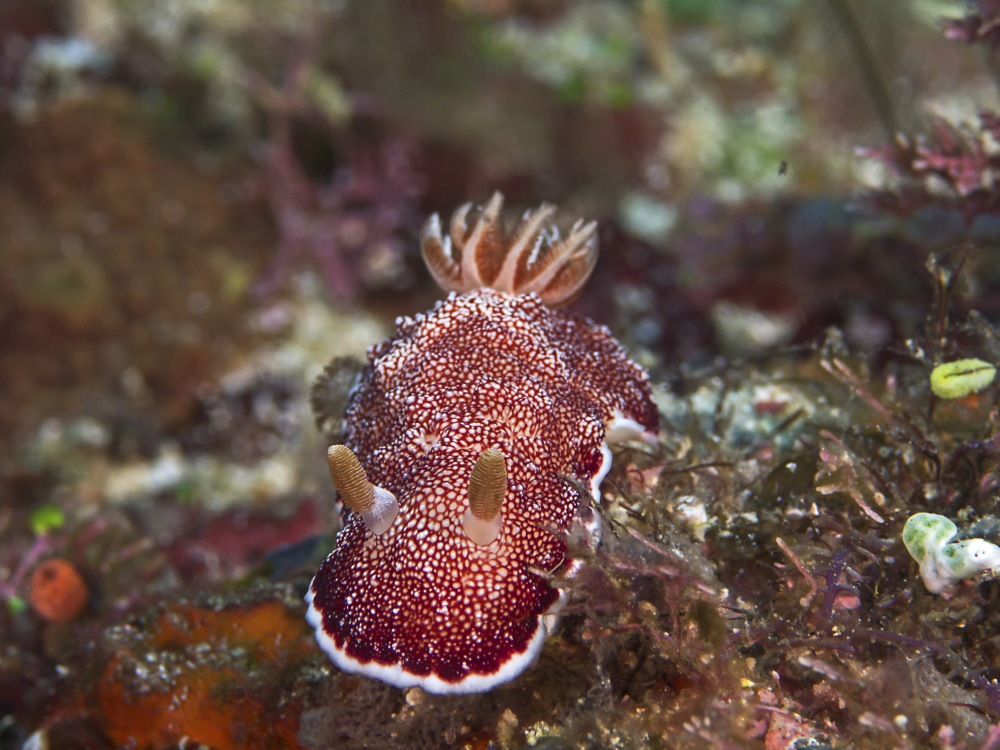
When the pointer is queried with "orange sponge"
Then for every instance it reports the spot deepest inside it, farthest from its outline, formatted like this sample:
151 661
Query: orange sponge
58 591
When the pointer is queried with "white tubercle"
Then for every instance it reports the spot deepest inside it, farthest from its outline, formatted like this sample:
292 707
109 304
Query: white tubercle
482 532
383 512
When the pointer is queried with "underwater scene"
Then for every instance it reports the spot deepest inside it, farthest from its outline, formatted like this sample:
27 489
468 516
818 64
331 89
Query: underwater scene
499 374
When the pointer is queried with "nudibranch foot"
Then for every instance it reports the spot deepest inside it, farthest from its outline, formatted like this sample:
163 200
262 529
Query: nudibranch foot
398 675
473 663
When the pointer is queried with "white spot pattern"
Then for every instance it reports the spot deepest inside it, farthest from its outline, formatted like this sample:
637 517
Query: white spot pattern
422 604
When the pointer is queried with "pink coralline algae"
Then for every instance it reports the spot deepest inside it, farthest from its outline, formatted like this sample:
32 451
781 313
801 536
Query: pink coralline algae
459 439
980 24
953 166
348 227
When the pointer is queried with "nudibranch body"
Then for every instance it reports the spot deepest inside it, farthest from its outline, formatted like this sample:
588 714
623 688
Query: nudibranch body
461 432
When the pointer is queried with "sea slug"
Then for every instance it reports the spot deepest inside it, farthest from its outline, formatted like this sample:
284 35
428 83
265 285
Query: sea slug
943 562
459 438
962 378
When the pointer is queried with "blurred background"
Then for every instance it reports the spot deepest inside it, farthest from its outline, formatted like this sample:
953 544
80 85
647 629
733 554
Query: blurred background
177 176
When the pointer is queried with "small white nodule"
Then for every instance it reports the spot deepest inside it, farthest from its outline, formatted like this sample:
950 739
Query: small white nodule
482 532
383 512
620 428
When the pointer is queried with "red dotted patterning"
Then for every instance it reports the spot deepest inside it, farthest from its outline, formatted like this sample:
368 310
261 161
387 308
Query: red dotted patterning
422 604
